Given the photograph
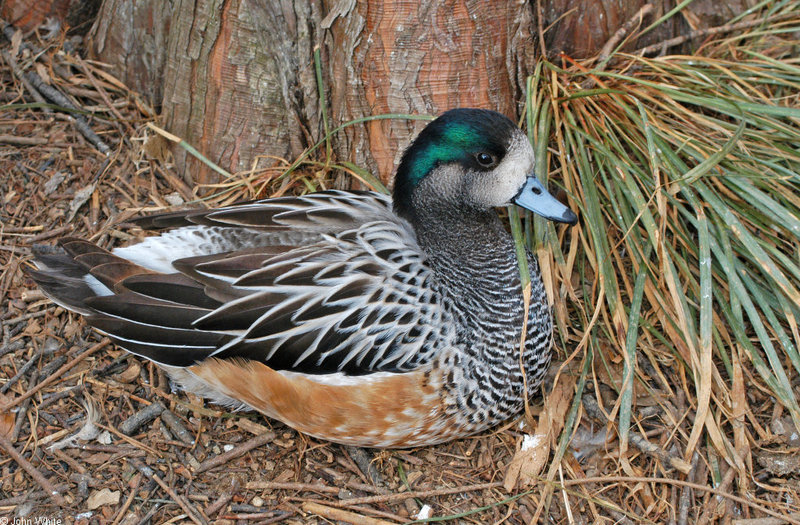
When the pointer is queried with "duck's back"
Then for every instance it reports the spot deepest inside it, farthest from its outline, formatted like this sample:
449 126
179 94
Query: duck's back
326 283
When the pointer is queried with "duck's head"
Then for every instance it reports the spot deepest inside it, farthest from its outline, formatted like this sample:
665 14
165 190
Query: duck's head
472 160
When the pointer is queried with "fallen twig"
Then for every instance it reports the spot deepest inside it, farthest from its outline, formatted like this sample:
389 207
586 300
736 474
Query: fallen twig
117 450
637 440
23 410
134 486
12 63
38 89
224 498
145 415
766 521
686 493
130 440
605 480
364 462
99 88
245 447
9 31
299 487
51 233
22 371
58 374
363 487
13 346
341 515
272 516
32 495
368 500
26 465
710 505
23 141
150 474
50 367
51 398
56 97
175 425
24 317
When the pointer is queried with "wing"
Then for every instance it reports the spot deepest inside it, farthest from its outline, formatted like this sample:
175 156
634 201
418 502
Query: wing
357 302
324 211
285 221
325 283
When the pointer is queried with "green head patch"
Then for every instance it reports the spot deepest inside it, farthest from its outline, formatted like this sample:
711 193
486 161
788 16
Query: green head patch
455 142
454 137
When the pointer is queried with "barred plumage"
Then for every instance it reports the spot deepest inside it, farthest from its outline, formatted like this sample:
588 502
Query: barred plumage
347 315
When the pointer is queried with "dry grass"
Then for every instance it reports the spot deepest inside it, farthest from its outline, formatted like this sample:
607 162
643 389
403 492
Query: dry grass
679 390
680 284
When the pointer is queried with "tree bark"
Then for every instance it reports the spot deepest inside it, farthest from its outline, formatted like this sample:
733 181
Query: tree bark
580 28
239 82
238 75
421 58
235 78
232 78
49 15
133 36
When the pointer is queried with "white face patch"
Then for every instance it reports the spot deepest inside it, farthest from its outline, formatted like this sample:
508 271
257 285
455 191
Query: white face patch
499 186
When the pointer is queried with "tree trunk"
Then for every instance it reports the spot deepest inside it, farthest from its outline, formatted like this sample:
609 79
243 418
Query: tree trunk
582 27
421 58
133 36
239 81
235 78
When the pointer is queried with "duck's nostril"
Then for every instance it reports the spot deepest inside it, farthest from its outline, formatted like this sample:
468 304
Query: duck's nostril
536 191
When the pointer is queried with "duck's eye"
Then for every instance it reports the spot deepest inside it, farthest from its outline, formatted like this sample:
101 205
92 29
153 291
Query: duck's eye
487 160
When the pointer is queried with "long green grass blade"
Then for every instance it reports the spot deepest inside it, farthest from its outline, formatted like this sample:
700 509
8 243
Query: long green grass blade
631 343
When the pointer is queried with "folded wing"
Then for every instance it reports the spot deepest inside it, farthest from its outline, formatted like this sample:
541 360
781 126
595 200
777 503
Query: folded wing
330 282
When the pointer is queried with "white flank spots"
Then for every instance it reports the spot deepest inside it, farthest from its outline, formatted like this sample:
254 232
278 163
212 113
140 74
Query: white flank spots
157 253
410 413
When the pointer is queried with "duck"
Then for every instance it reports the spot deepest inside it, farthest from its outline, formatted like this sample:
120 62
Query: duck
351 316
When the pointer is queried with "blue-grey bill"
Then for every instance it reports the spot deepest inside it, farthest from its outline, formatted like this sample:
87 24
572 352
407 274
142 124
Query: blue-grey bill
534 197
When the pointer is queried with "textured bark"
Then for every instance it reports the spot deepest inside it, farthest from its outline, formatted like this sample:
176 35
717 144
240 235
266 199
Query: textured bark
712 13
423 58
238 78
133 37
235 78
239 81
582 27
